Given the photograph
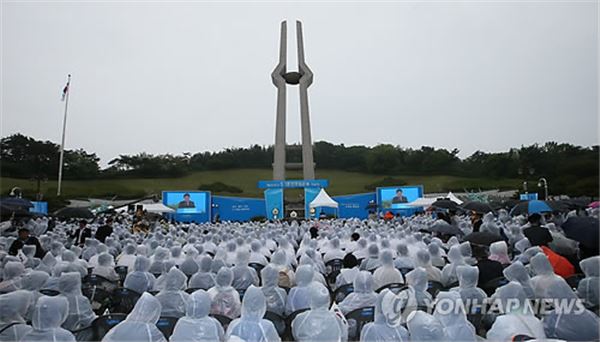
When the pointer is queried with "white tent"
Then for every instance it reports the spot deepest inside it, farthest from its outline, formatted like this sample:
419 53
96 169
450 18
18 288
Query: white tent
323 200
422 202
453 198
157 208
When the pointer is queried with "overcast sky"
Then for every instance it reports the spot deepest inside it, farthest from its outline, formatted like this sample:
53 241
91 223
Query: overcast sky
163 77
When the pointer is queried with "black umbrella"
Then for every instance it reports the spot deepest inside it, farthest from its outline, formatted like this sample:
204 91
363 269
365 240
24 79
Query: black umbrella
483 238
7 211
583 229
16 203
70 212
478 207
445 204
444 227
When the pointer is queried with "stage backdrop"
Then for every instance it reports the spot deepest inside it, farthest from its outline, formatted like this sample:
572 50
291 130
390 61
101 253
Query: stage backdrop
237 208
350 206
189 206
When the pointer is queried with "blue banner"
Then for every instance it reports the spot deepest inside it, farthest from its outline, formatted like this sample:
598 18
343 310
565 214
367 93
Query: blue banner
309 196
293 184
39 207
528 197
237 208
356 205
274 203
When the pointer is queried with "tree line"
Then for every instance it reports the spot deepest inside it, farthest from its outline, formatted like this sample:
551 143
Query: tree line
570 169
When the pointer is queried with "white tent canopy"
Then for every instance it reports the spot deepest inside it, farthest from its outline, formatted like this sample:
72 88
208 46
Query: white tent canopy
422 202
453 198
323 200
157 208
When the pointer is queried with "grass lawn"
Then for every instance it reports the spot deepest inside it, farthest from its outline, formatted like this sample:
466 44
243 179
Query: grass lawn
340 182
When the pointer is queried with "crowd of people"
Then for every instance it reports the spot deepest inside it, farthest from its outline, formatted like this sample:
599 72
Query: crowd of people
420 282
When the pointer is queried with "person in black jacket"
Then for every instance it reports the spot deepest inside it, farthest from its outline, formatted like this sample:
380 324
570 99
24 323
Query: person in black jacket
82 233
488 269
25 239
104 231
536 234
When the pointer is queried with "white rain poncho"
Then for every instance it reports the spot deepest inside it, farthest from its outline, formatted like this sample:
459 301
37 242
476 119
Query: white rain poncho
106 267
372 262
80 310
69 263
274 295
33 282
346 276
203 279
467 253
31 261
317 262
382 329
450 312
140 280
467 285
424 261
47 264
196 325
11 276
140 324
243 275
403 260
363 296
251 327
127 257
287 277
589 287
317 276
417 278
578 324
437 258
518 318
499 252
456 259
256 256
318 323
299 296
544 275
517 272
48 316
386 273
13 307
176 255
334 251
361 251
225 300
161 255
172 298
424 327
189 266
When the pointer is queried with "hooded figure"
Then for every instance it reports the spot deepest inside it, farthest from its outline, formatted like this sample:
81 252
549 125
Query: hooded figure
467 285
517 317
456 259
363 295
318 323
424 261
204 279
140 280
279 260
417 278
256 256
298 297
106 267
387 273
140 324
13 307
456 325
189 266
382 329
372 262
424 327
403 260
11 277
172 298
47 264
33 282
251 327
196 325
437 258
544 275
499 252
517 272
80 310
127 257
70 264
334 251
29 252
578 324
225 299
161 255
589 287
243 275
275 296
48 315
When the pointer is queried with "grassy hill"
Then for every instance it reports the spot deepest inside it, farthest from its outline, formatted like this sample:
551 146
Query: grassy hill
341 182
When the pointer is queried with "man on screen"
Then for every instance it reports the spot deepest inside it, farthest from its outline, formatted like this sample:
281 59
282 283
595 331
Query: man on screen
186 203
399 198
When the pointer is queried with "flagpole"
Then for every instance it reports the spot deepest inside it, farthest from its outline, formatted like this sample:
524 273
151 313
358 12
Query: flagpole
62 144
